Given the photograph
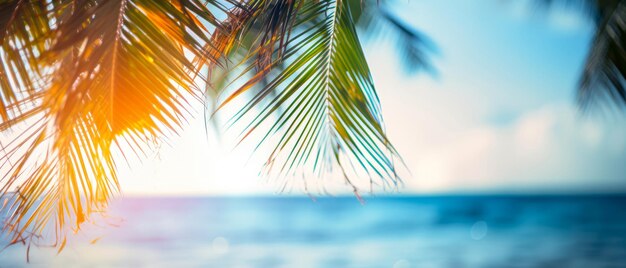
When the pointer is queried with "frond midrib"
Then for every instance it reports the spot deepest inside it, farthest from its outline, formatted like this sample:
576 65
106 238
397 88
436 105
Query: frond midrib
329 62
116 43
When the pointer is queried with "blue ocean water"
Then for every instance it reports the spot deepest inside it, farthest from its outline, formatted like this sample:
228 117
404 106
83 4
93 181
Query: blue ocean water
441 231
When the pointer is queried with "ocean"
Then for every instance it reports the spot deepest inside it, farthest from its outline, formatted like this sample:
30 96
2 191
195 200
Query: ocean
396 231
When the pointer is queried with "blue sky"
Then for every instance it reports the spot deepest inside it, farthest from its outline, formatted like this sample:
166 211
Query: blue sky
500 116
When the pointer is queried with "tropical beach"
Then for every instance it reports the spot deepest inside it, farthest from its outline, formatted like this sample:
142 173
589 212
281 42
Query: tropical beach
312 133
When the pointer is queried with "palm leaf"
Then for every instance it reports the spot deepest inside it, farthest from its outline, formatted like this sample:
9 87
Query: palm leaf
604 75
24 31
603 78
118 74
330 113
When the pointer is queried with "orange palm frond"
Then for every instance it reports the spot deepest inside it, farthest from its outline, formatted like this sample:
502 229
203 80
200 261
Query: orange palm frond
115 71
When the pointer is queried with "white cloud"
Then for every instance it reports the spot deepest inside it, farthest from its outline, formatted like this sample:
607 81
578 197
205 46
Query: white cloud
547 149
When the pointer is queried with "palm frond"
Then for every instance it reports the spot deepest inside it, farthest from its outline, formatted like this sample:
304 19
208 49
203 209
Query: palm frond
330 113
603 79
24 33
118 73
256 33
271 22
604 75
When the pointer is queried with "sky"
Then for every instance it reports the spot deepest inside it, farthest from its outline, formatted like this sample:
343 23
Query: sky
499 115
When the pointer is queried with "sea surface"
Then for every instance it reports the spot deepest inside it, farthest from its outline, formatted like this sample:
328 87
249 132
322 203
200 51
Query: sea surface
434 231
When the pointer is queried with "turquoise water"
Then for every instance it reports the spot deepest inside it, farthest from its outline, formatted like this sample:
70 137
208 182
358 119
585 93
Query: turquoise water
445 231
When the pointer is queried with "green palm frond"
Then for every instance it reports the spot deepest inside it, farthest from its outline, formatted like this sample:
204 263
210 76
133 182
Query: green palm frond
258 33
330 113
604 75
117 72
603 79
